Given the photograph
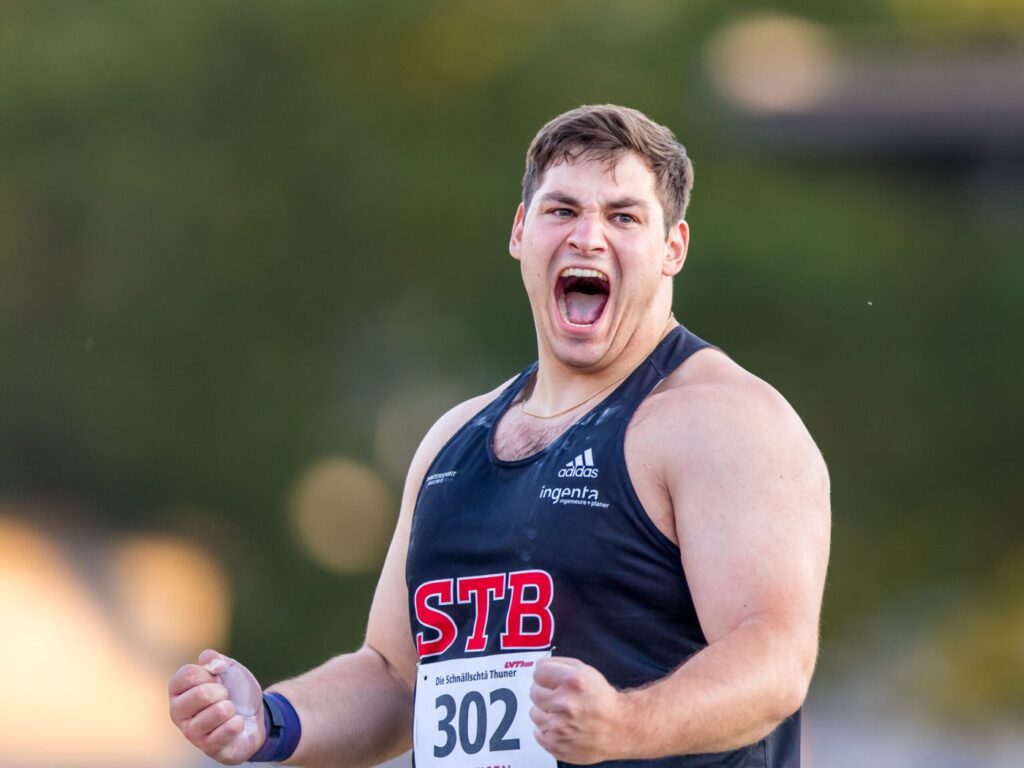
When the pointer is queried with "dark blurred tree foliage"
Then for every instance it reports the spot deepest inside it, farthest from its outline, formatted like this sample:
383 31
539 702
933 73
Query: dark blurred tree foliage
228 230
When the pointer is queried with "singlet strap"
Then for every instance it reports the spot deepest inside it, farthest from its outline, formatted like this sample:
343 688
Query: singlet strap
508 395
677 346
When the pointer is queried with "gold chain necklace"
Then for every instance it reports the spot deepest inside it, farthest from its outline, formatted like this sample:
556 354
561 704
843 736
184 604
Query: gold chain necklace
664 333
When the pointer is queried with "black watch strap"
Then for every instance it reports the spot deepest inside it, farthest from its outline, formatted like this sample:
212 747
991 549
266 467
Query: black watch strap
276 720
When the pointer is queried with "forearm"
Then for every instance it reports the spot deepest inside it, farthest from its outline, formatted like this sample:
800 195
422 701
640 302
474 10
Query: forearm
354 710
732 693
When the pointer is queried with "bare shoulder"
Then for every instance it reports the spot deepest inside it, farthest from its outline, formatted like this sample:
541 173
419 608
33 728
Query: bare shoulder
713 443
711 386
711 411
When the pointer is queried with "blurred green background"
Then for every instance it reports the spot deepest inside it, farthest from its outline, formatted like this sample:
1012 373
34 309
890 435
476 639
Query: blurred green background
250 251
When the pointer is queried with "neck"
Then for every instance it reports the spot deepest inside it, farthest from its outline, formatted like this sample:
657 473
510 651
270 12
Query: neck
560 389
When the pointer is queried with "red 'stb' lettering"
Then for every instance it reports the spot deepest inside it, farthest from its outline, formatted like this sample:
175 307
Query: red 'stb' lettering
434 619
529 622
478 590
530 596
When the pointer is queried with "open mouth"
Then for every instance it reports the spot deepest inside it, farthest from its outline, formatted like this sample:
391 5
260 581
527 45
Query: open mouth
581 295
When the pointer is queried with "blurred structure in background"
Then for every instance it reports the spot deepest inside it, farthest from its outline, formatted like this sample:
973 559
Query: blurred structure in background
91 629
249 252
873 88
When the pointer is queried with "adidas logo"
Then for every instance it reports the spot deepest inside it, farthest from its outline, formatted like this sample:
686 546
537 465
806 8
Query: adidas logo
581 466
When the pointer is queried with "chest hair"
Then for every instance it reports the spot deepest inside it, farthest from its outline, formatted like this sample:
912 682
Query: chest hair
519 436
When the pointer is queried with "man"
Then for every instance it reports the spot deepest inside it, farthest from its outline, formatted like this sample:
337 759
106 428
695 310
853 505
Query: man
619 555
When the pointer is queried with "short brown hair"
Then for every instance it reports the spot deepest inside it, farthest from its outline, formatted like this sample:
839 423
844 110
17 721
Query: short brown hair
606 131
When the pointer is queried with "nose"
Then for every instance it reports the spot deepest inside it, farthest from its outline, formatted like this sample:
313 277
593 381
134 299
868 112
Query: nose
587 237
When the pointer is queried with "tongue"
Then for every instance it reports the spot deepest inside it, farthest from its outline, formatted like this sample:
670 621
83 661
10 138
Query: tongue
584 308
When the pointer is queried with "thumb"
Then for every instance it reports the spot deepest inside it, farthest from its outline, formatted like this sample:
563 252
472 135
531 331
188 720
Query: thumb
553 671
214 662
243 689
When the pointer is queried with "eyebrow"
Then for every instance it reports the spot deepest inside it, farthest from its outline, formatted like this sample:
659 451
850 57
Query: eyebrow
560 197
622 202
628 202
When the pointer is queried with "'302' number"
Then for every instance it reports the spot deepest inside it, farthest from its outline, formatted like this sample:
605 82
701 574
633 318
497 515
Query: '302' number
473 741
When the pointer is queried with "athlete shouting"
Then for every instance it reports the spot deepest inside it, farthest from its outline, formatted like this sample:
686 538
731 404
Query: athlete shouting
618 555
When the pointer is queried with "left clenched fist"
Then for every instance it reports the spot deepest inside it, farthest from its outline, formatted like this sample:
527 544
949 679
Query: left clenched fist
579 716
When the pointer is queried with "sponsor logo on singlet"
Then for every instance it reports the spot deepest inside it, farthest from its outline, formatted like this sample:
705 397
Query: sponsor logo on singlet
581 495
581 466
439 477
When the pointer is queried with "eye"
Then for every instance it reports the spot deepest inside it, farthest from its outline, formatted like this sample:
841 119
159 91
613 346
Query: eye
562 213
625 218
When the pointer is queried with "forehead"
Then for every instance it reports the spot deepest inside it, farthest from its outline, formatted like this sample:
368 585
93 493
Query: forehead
597 179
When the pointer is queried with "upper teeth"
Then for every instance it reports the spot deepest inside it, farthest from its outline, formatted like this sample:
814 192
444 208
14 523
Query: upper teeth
577 272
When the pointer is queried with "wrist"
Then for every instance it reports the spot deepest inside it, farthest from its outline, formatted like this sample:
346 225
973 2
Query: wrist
283 730
633 733
658 722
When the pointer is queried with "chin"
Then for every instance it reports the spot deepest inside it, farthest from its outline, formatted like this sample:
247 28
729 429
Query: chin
578 354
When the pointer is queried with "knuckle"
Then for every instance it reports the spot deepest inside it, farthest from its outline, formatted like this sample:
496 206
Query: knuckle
183 709
180 681
233 725
192 675
213 694
173 683
173 709
199 698
210 693
203 741
218 742
195 733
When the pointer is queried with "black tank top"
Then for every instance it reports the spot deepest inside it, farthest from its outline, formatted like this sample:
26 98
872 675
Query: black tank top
559 552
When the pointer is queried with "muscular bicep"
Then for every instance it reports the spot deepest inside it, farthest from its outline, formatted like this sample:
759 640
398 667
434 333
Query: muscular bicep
750 498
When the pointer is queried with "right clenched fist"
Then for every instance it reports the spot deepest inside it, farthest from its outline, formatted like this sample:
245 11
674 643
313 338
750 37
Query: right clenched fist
218 705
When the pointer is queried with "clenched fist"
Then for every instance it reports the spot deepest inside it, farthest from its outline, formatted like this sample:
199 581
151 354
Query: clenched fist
218 705
579 716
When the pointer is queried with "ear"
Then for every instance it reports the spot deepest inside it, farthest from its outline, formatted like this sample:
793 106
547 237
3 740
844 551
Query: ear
675 248
515 242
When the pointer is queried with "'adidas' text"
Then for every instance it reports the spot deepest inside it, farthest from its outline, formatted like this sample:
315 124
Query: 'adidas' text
581 466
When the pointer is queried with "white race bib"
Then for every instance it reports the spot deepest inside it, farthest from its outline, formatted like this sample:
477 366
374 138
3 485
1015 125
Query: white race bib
475 713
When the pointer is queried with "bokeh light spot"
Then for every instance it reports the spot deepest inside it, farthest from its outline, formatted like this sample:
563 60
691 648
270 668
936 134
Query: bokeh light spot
773 63
404 419
173 597
343 514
